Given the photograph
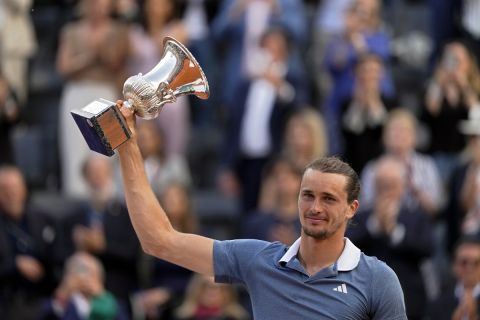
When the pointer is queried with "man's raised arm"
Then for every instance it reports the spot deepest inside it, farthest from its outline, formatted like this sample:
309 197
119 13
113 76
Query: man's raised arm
149 220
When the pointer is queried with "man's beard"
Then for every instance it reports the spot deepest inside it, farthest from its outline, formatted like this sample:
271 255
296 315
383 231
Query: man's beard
323 233
319 235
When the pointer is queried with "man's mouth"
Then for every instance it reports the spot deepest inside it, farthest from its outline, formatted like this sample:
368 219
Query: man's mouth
317 218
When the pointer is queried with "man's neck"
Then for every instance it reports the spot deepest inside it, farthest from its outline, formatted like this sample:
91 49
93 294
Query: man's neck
316 254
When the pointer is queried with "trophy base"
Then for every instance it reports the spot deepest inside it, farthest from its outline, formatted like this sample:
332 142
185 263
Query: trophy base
102 125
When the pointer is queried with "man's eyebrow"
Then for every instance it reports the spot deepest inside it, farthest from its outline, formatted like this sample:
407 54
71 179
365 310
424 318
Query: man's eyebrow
323 193
329 194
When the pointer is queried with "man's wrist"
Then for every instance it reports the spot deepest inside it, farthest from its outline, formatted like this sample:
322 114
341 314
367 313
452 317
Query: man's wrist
128 145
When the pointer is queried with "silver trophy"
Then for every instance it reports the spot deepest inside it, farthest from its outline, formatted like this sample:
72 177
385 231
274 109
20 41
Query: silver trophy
178 73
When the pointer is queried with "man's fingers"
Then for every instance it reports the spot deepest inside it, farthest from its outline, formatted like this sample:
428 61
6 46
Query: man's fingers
124 109
128 113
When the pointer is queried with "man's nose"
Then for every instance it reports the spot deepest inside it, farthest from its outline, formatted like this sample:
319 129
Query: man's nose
317 206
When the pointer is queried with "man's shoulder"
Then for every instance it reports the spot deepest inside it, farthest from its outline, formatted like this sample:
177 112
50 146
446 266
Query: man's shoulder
372 262
375 267
253 243
233 259
384 290
369 260
250 247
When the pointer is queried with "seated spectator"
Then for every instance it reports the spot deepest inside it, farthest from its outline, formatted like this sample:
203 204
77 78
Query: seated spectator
81 293
305 138
423 185
364 113
167 281
277 219
460 299
451 93
363 34
463 210
207 300
397 234
101 226
27 248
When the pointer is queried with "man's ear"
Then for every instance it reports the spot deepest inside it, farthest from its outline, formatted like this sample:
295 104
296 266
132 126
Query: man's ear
353 208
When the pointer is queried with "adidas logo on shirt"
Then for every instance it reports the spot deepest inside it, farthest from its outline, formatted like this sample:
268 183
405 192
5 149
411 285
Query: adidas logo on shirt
342 288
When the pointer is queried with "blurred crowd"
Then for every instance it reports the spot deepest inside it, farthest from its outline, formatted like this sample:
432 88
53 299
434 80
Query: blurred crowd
390 86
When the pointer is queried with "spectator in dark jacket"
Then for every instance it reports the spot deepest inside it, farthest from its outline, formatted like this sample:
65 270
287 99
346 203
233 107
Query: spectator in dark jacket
27 240
101 226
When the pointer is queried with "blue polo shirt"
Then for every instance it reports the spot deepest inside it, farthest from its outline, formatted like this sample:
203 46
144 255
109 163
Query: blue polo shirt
356 286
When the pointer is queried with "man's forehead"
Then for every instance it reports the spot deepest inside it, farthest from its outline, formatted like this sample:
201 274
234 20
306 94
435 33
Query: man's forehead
318 179
311 173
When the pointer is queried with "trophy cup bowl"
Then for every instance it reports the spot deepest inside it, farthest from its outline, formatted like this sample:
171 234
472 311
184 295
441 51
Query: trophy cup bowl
177 73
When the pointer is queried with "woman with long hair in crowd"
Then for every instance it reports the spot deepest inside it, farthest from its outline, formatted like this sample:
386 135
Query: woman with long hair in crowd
452 92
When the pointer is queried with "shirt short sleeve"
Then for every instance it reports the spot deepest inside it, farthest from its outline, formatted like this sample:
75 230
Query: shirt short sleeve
233 258
387 295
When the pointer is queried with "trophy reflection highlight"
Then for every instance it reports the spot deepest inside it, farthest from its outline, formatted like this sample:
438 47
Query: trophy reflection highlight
178 73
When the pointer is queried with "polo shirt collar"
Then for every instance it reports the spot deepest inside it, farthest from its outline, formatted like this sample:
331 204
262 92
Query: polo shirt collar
347 261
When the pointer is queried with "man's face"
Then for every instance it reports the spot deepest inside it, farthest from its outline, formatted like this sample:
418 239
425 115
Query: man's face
322 204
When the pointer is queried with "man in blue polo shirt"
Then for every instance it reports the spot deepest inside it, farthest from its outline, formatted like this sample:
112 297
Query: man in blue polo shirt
321 276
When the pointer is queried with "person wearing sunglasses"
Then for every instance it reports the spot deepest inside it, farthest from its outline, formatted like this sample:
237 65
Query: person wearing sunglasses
460 300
